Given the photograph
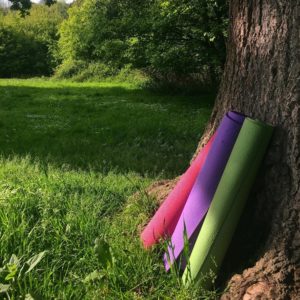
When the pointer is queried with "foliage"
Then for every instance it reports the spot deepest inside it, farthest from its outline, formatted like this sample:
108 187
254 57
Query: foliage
80 71
70 68
28 46
14 269
20 54
175 42
74 168
188 36
163 37
23 6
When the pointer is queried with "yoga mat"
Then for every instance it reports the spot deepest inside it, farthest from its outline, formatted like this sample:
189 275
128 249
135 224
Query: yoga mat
165 219
228 203
205 186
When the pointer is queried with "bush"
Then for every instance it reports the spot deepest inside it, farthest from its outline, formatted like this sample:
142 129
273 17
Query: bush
95 71
69 68
79 70
28 46
21 55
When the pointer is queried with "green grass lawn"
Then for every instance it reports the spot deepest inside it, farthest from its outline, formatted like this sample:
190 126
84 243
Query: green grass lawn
75 160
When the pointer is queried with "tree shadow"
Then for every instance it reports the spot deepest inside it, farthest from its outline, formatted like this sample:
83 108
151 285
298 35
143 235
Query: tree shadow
102 128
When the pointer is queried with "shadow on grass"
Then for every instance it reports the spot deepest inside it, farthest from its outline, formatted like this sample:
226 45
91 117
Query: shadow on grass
102 128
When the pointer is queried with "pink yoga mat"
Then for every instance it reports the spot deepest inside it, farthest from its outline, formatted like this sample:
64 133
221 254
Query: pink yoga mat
165 219
205 185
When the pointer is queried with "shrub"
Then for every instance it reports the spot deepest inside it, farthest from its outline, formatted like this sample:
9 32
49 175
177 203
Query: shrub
69 68
28 46
79 70
21 54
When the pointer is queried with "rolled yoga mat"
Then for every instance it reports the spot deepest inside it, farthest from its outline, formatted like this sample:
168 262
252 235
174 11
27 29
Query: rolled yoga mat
205 186
165 219
228 203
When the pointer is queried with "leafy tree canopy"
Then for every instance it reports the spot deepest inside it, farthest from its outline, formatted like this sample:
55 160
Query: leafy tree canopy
174 36
24 5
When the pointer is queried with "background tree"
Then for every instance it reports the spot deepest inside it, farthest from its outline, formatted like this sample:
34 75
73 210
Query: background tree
29 44
23 6
167 39
187 37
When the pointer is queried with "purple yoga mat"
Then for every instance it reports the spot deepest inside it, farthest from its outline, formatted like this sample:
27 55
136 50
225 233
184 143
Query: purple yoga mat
205 186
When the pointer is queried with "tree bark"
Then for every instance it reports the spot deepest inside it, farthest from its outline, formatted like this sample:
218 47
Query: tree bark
261 79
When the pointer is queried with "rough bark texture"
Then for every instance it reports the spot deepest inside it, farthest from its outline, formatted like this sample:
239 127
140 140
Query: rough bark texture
261 79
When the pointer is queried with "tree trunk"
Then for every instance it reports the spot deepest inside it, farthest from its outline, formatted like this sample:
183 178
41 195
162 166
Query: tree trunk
261 79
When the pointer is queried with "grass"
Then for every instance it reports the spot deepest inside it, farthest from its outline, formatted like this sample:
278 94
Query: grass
75 160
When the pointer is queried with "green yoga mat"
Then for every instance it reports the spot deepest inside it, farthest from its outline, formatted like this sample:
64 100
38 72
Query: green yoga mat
228 202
